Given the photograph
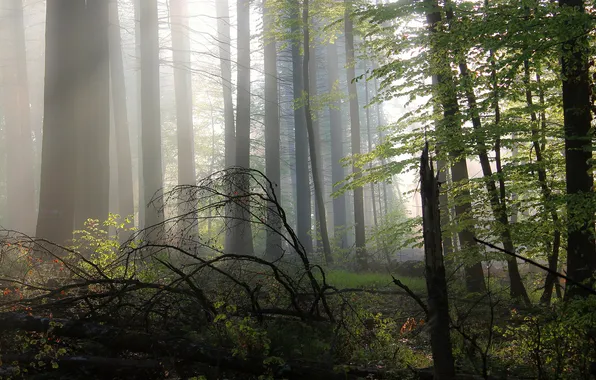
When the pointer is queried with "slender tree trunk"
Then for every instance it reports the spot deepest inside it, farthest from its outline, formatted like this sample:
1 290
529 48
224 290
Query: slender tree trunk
553 257
14 89
369 143
139 124
151 120
242 240
119 106
355 132
188 229
581 250
272 133
312 94
225 62
56 207
303 198
337 142
445 94
312 143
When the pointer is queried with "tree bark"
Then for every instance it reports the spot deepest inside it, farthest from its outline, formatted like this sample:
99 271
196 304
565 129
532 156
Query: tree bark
225 62
151 120
272 132
119 106
355 137
93 113
312 143
337 142
188 228
303 198
581 250
14 89
242 231
436 282
56 207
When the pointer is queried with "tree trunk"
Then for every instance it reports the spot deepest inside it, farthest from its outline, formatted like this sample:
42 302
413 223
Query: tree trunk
581 251
119 106
56 207
14 89
337 142
303 199
93 129
225 62
436 282
242 231
150 120
312 143
188 229
272 133
355 132
369 143
138 120
445 95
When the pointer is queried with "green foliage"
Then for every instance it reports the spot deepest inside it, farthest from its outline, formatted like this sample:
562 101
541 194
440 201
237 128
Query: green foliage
557 343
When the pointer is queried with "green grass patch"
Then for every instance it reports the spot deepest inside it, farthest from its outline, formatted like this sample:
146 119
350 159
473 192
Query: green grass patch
344 279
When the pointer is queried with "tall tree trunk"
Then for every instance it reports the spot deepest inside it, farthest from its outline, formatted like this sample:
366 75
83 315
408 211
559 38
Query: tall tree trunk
93 113
581 250
188 229
56 207
355 132
312 143
14 88
225 62
119 106
303 199
242 240
138 119
445 95
312 94
337 149
151 120
369 145
272 133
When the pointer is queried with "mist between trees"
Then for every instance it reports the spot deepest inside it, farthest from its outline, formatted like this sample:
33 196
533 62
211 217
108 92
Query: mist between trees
297 189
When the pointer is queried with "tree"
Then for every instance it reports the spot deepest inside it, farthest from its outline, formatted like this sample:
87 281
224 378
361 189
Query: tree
225 62
445 96
312 142
303 204
93 113
56 208
355 136
150 119
337 137
119 106
272 131
20 210
184 112
242 231
581 249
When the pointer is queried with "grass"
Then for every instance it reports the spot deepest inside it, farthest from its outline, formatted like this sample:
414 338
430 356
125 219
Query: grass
345 279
